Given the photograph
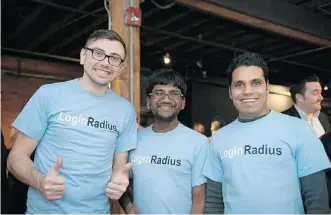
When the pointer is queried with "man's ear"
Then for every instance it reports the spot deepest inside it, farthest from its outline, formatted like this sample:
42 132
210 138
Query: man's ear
299 98
82 56
183 103
230 95
148 103
121 69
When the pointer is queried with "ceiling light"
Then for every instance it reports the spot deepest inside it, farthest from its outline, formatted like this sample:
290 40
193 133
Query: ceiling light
199 64
166 58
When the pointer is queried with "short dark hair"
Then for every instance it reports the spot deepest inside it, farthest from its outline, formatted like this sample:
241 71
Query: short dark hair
220 120
165 77
106 34
247 59
301 87
197 124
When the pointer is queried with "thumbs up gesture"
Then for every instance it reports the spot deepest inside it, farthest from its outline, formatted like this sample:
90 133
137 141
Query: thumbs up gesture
52 185
119 182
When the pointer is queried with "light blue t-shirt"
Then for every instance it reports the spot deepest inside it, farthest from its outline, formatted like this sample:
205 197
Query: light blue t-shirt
260 163
86 130
166 166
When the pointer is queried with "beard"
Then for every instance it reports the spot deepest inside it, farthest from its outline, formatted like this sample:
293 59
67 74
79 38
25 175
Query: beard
170 118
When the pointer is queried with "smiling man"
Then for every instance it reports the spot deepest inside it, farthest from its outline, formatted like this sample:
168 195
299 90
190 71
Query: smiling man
307 98
82 133
265 159
167 163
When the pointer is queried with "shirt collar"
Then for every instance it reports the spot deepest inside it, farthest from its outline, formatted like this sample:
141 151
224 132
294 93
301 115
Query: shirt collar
253 119
304 116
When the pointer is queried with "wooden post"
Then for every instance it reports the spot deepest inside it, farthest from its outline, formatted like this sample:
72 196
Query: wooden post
122 84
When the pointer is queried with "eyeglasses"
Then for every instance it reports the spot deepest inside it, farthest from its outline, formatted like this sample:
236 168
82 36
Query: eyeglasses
160 94
100 56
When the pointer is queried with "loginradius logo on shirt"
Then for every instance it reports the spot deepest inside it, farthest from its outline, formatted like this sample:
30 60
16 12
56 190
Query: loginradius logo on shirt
249 150
90 121
156 160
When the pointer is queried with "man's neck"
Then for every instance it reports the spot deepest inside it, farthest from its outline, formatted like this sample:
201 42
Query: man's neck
164 126
307 113
253 117
87 84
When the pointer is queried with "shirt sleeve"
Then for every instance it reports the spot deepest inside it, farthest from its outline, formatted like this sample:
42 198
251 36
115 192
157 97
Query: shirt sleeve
311 156
200 156
33 119
213 166
315 193
214 198
127 139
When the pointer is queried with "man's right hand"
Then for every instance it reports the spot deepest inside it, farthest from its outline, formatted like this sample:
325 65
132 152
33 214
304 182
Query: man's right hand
52 185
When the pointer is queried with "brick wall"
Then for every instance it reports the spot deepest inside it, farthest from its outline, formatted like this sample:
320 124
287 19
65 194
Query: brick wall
15 92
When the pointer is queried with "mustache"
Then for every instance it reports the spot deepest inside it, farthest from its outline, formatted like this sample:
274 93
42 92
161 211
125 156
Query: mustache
101 66
165 103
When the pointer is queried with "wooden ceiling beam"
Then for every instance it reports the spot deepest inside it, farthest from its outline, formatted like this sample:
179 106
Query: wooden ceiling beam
253 21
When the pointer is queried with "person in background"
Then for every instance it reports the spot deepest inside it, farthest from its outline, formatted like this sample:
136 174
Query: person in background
198 127
307 98
326 140
139 123
5 191
19 190
217 123
265 160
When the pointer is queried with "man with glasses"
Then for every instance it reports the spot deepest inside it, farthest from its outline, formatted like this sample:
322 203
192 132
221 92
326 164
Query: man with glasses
82 133
167 163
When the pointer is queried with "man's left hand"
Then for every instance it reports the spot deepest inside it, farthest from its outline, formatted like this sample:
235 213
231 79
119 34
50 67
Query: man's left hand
119 182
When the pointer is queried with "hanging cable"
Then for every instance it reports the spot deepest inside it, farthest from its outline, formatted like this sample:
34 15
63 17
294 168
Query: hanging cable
107 7
163 7
131 58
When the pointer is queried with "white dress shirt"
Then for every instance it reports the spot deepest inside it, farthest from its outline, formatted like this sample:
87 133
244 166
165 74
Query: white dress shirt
314 122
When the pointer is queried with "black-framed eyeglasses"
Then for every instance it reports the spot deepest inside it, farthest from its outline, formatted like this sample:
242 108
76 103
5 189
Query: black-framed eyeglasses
100 56
160 94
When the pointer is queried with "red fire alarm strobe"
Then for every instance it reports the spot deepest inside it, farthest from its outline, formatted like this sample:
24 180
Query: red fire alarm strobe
133 16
